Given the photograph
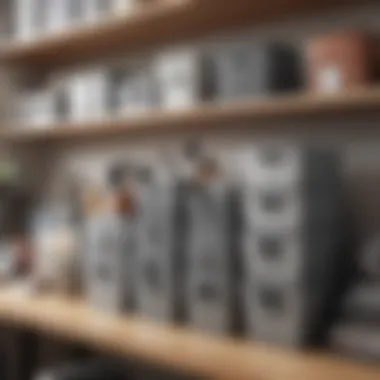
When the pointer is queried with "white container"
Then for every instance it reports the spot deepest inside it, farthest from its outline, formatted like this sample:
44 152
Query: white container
38 109
56 16
179 79
98 94
23 11
87 92
78 89
44 17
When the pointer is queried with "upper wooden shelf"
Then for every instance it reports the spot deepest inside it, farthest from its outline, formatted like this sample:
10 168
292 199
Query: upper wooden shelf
179 348
161 22
206 117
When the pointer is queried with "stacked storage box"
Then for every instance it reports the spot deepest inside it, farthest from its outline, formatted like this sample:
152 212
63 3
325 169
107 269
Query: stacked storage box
213 248
292 243
160 244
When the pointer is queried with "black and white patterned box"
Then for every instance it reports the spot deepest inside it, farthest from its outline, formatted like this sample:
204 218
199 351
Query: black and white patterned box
110 262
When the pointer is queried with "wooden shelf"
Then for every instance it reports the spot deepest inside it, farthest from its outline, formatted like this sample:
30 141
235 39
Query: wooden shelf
157 23
207 117
180 348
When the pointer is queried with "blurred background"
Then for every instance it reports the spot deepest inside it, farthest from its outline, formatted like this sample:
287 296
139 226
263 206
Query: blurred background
200 173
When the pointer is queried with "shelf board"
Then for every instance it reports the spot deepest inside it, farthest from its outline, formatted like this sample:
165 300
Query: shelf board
156 23
179 348
206 118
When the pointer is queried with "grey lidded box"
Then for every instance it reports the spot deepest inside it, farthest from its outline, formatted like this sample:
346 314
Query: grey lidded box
161 255
244 69
213 281
362 303
110 262
356 339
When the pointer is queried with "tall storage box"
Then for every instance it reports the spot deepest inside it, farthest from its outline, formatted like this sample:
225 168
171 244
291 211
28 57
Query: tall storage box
293 241
213 248
161 237
109 269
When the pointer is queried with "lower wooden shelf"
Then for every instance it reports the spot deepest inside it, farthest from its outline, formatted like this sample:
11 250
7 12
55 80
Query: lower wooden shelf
211 116
194 352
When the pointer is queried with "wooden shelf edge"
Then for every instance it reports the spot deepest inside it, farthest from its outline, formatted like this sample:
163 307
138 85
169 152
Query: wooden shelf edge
175 347
206 117
157 24
49 49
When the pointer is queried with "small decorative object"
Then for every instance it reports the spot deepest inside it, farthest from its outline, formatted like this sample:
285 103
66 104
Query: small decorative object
342 60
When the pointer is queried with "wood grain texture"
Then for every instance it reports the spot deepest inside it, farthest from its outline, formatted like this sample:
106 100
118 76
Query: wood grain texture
179 348
212 117
157 23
